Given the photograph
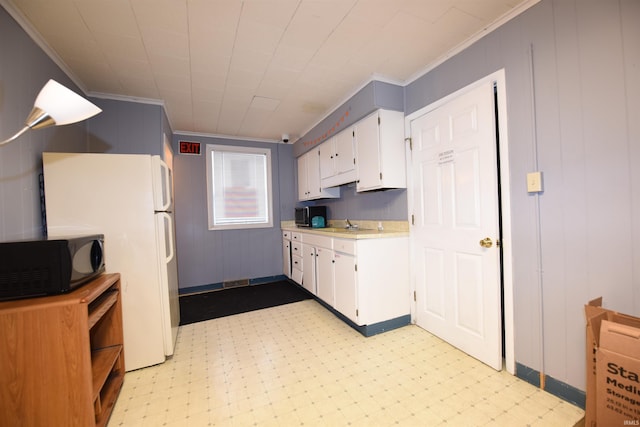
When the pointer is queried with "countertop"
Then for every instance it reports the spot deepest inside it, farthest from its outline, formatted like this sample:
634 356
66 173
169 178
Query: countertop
365 230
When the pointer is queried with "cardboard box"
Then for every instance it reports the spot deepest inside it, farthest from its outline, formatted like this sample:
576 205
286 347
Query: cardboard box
613 367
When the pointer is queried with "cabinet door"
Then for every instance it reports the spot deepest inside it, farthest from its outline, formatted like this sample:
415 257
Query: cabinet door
309 186
367 140
393 162
309 268
327 162
286 257
303 186
324 275
313 174
344 157
345 284
296 269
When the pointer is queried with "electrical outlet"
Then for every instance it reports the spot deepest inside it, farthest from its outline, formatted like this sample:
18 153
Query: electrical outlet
534 182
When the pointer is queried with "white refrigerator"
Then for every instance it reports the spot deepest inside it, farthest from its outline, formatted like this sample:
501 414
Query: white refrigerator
128 198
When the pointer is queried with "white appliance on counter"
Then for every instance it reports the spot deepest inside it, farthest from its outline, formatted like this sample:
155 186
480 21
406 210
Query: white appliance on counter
128 198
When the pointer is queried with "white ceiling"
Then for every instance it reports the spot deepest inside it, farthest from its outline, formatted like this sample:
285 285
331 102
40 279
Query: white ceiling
251 68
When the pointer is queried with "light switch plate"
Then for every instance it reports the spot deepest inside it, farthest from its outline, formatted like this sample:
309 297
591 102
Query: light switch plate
534 182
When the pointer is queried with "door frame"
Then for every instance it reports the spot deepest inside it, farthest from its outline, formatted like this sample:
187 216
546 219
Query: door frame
498 79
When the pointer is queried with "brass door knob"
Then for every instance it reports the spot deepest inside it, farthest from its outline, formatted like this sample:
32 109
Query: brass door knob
486 242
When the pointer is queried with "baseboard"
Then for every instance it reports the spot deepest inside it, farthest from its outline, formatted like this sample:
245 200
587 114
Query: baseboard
551 385
368 330
220 285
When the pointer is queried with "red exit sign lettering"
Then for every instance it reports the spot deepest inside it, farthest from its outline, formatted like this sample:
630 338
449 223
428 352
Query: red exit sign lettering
187 147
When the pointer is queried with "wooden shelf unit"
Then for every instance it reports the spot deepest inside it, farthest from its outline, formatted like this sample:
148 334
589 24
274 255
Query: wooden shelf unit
62 356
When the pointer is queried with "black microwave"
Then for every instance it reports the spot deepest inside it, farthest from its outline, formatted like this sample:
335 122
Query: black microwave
305 215
32 268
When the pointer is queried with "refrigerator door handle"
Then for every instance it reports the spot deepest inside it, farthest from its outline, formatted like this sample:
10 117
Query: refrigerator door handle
169 235
162 184
167 185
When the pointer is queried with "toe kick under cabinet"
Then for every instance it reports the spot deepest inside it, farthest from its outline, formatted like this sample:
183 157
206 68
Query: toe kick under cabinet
61 357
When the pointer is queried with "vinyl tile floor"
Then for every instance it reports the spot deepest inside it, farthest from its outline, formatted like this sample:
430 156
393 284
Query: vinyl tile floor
299 365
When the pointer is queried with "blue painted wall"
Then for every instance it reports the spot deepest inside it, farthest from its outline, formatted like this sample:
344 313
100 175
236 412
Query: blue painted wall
374 205
373 96
24 70
573 98
127 128
208 257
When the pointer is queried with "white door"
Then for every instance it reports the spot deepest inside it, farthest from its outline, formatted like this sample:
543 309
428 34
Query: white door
456 224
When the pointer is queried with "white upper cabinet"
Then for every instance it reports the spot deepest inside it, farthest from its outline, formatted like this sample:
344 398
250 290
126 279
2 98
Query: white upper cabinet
309 178
337 159
380 151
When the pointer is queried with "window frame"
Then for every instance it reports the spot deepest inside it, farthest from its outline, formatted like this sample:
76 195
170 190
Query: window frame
210 149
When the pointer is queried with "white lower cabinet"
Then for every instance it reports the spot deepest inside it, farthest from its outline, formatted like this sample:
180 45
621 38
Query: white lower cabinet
309 270
296 257
297 262
324 275
383 291
345 284
366 280
314 252
286 253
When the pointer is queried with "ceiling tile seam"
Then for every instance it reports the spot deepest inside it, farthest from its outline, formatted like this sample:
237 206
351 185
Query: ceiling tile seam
226 77
102 52
39 40
271 62
146 51
193 111
487 29
344 17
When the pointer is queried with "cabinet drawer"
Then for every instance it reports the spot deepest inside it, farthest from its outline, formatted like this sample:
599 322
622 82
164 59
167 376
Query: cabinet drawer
296 248
317 240
296 236
296 262
286 235
347 246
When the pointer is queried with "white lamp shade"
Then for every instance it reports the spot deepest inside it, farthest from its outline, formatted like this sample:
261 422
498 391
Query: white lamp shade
63 105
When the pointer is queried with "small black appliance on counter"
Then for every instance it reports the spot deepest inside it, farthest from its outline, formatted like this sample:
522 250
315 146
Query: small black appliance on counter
31 268
304 216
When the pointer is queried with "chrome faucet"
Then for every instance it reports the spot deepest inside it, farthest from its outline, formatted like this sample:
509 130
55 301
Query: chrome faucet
349 225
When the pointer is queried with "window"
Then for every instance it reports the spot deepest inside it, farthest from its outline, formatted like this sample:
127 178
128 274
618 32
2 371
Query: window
239 187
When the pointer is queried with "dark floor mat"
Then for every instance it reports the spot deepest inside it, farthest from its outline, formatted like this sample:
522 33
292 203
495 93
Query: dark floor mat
226 302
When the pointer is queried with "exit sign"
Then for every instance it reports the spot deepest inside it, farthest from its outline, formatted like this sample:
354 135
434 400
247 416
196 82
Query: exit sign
187 147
